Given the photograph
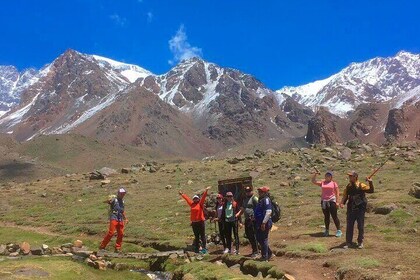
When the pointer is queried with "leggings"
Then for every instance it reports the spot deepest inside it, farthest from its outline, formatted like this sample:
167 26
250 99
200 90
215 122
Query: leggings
229 227
199 230
330 209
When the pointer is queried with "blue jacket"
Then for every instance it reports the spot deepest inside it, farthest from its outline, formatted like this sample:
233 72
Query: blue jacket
263 205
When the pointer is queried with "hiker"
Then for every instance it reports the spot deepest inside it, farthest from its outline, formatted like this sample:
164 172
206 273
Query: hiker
330 196
263 221
248 207
117 220
197 219
230 209
355 194
219 219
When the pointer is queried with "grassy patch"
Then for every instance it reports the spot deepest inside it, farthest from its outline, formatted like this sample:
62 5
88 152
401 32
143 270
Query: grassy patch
318 248
367 262
207 271
399 217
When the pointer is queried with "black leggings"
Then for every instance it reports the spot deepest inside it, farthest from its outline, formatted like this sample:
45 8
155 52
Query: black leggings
199 230
331 209
229 227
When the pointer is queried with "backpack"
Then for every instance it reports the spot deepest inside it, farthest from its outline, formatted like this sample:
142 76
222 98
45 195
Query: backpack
276 210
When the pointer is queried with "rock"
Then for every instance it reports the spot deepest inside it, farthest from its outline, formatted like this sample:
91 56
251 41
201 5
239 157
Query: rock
328 150
297 178
233 161
272 173
190 182
14 254
56 251
260 275
125 170
153 169
107 172
44 195
37 251
385 210
284 184
367 148
25 248
89 262
288 277
100 264
353 144
3 249
105 182
96 176
219 263
66 245
188 276
78 243
45 247
259 154
93 257
12 247
168 187
415 190
270 152
345 153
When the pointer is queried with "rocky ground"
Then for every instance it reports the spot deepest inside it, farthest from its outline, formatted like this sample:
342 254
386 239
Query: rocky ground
61 209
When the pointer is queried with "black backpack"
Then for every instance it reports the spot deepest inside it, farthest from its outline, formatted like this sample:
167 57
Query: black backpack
276 211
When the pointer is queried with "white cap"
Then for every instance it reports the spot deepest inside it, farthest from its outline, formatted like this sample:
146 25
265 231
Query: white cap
122 190
196 196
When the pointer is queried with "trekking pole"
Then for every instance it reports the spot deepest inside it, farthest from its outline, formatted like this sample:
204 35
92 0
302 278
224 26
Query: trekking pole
317 171
377 169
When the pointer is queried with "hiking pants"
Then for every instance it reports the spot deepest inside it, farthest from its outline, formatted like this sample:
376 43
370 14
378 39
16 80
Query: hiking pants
262 238
331 209
355 215
229 227
114 225
199 230
250 234
222 234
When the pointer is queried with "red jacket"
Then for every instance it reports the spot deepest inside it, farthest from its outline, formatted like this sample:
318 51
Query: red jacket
197 209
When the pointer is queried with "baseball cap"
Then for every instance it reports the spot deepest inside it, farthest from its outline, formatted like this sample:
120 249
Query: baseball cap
196 196
122 190
264 189
248 189
353 173
229 194
329 173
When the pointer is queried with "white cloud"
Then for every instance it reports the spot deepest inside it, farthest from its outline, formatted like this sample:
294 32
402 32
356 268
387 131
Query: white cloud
117 19
149 17
181 48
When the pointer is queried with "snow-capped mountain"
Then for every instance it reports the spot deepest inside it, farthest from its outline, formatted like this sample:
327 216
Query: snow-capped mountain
376 80
12 83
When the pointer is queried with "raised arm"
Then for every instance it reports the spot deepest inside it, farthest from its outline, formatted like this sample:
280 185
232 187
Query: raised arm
203 197
187 199
314 181
370 188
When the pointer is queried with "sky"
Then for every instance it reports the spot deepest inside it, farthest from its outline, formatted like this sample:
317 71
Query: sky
281 42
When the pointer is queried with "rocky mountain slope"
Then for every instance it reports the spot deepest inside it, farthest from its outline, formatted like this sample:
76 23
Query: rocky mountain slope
195 108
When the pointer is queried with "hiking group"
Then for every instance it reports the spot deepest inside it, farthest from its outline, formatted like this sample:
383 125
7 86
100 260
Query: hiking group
259 213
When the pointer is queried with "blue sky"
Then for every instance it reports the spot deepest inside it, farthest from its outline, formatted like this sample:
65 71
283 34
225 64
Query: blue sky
280 42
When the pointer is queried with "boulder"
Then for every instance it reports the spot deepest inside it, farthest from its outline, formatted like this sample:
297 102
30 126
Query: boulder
385 210
100 264
56 251
259 154
25 248
345 153
415 190
89 262
12 247
37 251
14 254
233 161
3 249
328 150
105 182
107 172
367 148
284 184
125 170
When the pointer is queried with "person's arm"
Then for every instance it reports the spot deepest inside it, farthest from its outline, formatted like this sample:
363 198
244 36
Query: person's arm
366 188
344 199
337 193
241 210
203 197
314 181
267 216
187 199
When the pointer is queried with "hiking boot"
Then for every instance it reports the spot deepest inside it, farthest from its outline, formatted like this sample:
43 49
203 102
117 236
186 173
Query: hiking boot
360 245
254 256
226 251
338 233
326 233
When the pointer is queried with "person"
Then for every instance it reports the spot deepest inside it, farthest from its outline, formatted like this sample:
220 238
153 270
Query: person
248 207
197 219
230 209
330 201
355 195
117 220
219 219
263 221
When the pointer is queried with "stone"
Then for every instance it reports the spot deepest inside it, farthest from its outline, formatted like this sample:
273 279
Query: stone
168 187
25 248
66 245
56 251
328 150
345 154
385 210
219 263
107 172
105 182
190 182
367 148
37 251
288 277
284 184
260 275
415 190
125 170
233 161
44 195
93 257
152 169
12 247
45 247
14 254
89 262
272 173
100 264
3 249
78 243
259 154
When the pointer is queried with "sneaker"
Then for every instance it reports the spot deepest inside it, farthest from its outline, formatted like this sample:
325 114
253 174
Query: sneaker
118 251
338 233
326 233
360 245
346 246
204 251
254 256
233 252
226 251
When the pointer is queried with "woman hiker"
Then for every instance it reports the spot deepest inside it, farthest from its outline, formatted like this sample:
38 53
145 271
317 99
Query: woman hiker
330 196
230 209
355 195
117 220
197 219
219 210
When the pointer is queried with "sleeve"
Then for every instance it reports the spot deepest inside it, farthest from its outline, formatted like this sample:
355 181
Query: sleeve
367 188
187 199
203 198
345 192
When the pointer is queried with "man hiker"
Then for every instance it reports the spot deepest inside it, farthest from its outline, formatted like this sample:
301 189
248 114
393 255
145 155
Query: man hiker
355 195
230 209
197 219
117 220
330 196
248 207
263 221
219 219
